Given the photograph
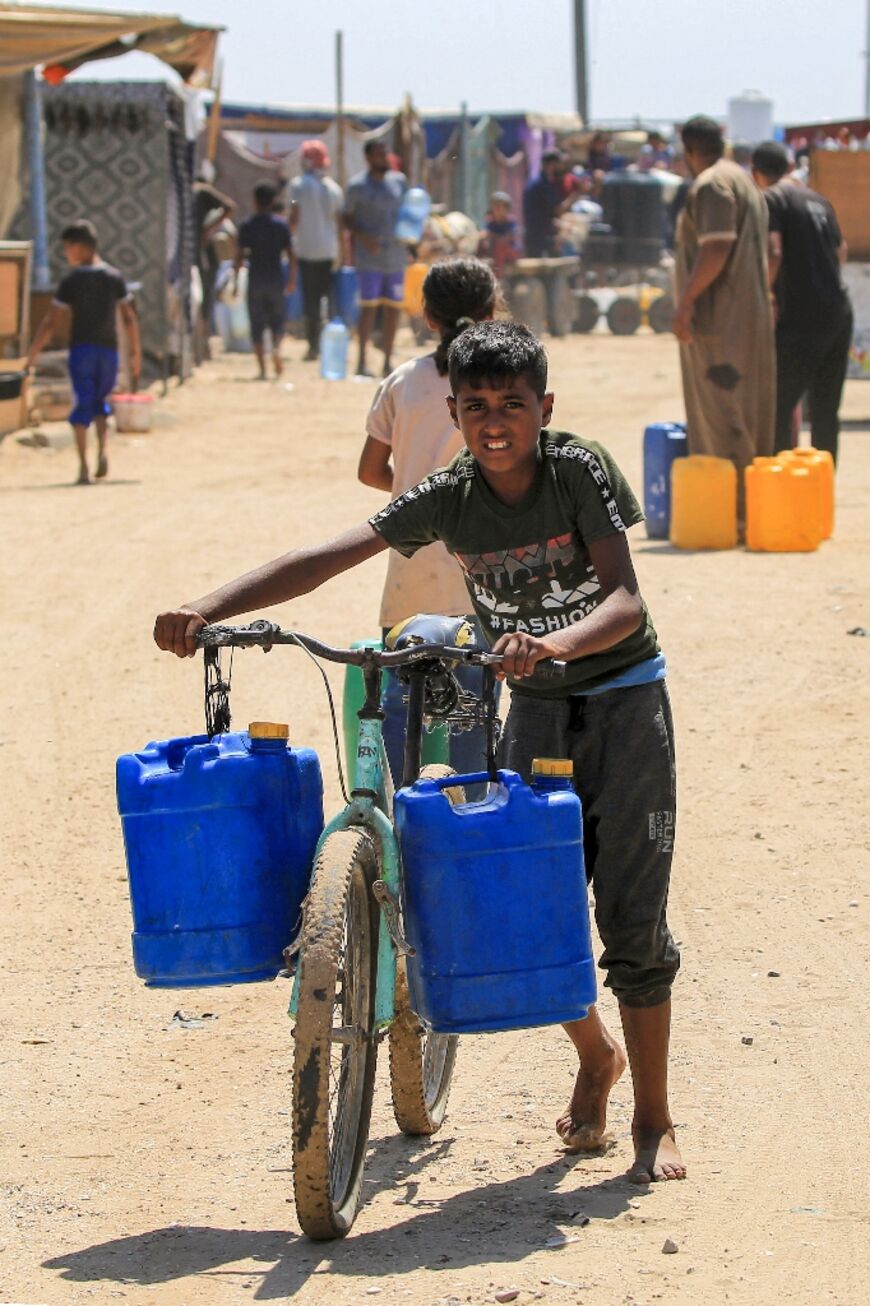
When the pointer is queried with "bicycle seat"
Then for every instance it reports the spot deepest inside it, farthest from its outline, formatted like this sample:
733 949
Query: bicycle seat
429 628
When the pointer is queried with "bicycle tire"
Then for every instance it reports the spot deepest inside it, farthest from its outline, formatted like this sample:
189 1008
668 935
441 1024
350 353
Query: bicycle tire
421 1063
332 1094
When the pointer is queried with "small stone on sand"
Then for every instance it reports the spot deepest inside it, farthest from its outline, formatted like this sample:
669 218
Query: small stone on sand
669 1247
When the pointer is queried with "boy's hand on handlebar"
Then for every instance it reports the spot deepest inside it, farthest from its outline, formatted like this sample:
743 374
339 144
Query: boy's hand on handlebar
175 631
521 655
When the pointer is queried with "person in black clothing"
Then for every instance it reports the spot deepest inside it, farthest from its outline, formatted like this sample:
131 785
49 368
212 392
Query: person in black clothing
813 313
544 200
265 239
88 296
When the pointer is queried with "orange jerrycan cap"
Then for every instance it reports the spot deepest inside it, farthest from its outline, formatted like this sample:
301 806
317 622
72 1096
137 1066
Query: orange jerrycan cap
268 730
552 766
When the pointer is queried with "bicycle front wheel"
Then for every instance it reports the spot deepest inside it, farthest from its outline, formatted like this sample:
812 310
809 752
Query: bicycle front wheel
335 1051
421 1062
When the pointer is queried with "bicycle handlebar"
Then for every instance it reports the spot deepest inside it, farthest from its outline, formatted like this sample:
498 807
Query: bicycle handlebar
264 634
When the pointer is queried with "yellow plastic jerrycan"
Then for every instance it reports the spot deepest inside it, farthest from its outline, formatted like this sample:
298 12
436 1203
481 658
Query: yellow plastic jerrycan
703 503
415 275
820 465
782 507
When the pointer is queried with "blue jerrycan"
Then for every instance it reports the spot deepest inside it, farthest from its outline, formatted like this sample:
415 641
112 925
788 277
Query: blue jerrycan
347 295
662 443
495 902
412 216
220 837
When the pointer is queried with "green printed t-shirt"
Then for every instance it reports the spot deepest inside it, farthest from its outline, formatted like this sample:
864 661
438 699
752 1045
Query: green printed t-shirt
527 566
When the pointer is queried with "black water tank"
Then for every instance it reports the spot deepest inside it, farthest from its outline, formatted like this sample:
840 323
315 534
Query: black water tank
633 208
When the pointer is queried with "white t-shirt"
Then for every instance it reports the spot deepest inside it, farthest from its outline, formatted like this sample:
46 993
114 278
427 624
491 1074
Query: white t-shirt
409 413
319 202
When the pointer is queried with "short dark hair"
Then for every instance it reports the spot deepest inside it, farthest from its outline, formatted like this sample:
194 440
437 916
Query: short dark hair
498 353
265 194
771 159
80 232
372 145
704 136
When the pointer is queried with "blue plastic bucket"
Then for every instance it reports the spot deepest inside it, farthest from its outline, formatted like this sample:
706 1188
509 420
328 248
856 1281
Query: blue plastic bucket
495 905
662 443
220 838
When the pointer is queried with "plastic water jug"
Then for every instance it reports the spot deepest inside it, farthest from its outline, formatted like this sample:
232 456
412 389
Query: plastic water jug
415 275
220 838
703 503
783 509
413 213
820 465
495 903
334 344
347 296
662 443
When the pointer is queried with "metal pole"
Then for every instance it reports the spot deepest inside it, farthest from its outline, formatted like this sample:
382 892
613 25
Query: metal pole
581 80
36 166
463 158
867 65
339 109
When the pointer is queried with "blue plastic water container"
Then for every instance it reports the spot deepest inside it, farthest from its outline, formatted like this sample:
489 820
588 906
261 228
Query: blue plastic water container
334 344
495 905
220 838
294 308
413 213
347 295
662 443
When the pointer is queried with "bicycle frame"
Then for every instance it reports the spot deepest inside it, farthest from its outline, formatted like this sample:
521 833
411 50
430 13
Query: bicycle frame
367 810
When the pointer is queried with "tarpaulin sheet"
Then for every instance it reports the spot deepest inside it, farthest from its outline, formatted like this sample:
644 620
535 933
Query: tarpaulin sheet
66 38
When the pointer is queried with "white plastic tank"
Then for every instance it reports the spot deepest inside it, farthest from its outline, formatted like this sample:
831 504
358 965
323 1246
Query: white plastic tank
750 118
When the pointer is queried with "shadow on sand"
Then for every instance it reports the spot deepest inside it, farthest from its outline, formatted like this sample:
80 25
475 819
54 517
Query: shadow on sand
469 1225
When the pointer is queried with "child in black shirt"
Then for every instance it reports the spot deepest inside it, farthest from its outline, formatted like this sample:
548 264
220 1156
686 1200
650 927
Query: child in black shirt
89 294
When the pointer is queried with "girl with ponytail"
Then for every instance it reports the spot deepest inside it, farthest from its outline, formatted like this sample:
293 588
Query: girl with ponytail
409 432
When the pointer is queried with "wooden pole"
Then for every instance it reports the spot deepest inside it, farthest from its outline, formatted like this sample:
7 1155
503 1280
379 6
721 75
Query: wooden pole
214 117
581 79
340 169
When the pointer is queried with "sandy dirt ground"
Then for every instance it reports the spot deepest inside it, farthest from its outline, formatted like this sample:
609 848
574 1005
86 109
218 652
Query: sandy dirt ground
145 1161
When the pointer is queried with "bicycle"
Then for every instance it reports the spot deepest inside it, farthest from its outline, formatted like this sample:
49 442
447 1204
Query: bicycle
349 984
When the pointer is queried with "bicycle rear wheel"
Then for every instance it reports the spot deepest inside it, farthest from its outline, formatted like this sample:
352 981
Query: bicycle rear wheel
421 1063
335 1052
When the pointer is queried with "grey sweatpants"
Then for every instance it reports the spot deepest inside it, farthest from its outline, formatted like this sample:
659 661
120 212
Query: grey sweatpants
621 744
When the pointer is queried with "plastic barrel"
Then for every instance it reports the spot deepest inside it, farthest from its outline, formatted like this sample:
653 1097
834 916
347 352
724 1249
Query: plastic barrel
703 503
662 443
495 906
220 838
347 295
783 508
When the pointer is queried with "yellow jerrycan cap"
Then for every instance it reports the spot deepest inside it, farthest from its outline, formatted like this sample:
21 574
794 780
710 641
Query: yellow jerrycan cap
552 766
268 730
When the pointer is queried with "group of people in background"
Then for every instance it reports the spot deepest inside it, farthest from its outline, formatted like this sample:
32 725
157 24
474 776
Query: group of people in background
762 313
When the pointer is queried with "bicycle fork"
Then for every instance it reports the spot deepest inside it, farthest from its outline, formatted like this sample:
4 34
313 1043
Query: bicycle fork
366 812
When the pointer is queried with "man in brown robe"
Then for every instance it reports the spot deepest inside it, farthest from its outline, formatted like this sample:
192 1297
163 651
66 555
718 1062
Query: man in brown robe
723 317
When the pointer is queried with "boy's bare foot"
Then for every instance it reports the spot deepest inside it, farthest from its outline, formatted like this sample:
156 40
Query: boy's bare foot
102 467
656 1156
583 1126
84 477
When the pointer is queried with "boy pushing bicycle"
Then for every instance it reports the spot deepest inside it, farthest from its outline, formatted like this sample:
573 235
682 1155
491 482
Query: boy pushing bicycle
538 522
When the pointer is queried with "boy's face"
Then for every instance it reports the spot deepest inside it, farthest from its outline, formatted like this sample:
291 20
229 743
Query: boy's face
76 253
500 211
501 426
